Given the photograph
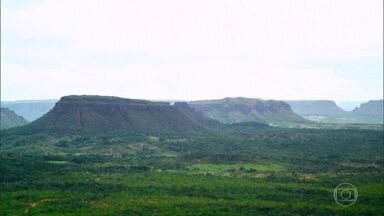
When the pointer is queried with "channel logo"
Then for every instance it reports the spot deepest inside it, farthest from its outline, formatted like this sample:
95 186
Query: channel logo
345 194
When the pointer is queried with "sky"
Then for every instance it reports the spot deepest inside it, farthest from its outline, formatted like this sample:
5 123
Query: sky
188 50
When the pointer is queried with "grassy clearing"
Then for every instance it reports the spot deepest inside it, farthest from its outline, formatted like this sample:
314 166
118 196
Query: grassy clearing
58 162
237 167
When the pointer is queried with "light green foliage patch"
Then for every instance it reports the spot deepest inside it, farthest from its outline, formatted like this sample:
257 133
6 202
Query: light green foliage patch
238 167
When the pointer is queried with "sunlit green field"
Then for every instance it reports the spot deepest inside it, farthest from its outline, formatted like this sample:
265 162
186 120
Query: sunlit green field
76 189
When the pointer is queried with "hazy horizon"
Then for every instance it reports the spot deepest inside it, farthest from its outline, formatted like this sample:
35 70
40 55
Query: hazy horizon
346 105
185 50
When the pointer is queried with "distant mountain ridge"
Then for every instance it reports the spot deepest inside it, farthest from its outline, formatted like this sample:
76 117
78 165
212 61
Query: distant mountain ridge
234 110
229 110
327 111
316 107
30 109
10 119
94 114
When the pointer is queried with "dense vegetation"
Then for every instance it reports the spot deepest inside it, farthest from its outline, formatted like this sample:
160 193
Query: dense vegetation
243 169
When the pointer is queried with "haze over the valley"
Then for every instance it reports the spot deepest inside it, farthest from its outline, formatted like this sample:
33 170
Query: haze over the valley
283 50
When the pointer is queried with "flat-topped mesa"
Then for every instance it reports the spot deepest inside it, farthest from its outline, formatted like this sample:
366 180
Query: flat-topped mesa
245 104
109 104
105 99
96 114
240 109
316 107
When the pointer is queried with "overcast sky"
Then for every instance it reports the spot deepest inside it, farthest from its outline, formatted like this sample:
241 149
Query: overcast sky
299 49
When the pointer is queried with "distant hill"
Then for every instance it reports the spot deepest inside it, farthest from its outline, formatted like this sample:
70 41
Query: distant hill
328 112
94 114
372 107
349 105
235 110
316 108
10 119
371 111
30 109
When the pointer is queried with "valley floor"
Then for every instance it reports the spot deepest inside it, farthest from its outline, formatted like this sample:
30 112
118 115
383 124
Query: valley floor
263 172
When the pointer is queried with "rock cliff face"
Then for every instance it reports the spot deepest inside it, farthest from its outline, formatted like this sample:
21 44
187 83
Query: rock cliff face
235 110
102 114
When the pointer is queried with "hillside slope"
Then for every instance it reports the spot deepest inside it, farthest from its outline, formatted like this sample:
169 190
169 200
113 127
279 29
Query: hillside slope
10 119
234 110
372 107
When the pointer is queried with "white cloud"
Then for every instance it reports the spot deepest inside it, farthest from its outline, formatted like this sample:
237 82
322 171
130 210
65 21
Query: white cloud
192 27
196 49
185 81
